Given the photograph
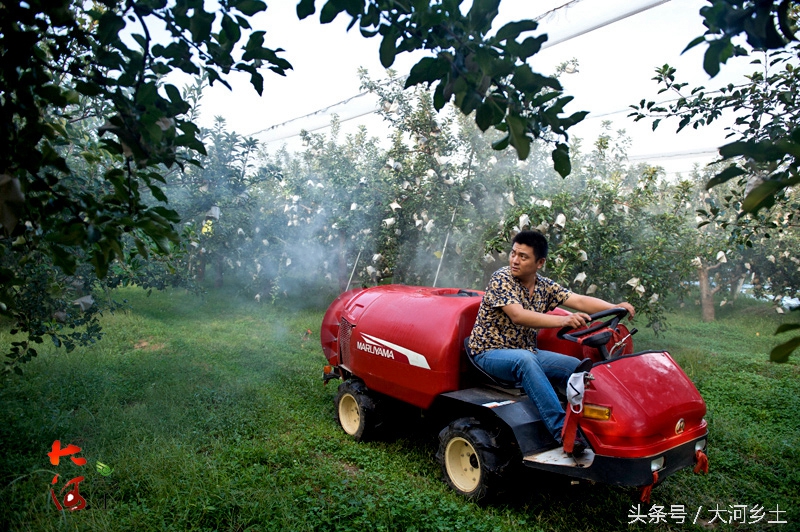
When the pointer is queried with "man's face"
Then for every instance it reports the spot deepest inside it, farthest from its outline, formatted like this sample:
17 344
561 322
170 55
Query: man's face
522 261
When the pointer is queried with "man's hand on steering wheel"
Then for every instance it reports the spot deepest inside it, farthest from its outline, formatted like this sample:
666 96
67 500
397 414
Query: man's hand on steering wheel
616 313
599 333
627 306
575 320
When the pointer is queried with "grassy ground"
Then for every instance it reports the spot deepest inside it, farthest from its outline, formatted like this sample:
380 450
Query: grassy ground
212 414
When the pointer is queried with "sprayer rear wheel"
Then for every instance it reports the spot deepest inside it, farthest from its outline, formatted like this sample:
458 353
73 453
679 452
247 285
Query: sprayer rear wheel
474 458
357 410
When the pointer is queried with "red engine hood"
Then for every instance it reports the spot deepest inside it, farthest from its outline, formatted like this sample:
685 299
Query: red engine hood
654 406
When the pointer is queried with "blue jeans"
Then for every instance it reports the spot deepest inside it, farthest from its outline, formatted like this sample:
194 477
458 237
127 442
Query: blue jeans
539 373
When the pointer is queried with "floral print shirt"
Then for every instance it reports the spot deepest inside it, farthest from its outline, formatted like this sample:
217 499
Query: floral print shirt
494 329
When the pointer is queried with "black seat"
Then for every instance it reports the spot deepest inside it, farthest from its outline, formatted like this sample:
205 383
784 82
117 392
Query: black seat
492 379
462 293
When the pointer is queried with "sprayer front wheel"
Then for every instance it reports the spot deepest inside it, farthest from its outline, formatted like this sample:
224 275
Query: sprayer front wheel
357 410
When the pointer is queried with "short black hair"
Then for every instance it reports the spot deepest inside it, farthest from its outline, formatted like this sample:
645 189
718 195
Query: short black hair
535 240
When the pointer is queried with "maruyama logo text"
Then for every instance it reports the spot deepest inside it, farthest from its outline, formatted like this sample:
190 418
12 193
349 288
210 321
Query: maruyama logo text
386 349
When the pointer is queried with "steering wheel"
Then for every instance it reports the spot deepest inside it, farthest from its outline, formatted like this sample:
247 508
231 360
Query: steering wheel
573 335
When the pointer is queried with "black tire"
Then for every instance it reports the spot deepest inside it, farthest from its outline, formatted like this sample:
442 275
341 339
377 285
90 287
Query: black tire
357 411
475 458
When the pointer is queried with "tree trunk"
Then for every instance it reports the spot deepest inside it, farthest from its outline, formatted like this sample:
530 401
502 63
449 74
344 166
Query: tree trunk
737 287
706 295
218 277
201 268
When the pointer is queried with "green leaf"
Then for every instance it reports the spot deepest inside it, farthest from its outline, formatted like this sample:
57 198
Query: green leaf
489 113
140 40
788 146
108 27
718 52
147 95
141 248
305 9
427 70
468 101
780 353
158 193
501 144
561 162
100 262
231 28
174 95
70 234
695 42
787 327
332 8
726 175
482 13
517 126
543 98
388 48
64 260
530 82
87 88
50 157
573 119
257 81
762 195
438 95
52 93
758 151
513 29
168 214
530 46
250 7
200 24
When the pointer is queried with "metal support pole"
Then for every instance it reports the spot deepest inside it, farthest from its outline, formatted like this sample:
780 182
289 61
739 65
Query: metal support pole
354 271
446 238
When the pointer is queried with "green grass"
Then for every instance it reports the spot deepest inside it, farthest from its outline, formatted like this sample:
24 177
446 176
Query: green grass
212 414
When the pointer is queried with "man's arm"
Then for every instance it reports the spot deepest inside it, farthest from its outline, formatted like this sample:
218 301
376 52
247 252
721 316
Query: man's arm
591 305
537 320
584 304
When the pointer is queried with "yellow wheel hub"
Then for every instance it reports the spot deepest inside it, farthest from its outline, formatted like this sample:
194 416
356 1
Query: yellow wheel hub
463 465
349 416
